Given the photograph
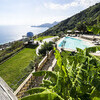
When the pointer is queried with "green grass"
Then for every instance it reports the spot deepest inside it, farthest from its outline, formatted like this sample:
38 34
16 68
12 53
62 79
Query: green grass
13 68
1 52
43 37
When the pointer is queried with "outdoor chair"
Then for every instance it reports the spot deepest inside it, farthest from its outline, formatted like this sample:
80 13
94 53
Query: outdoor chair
96 42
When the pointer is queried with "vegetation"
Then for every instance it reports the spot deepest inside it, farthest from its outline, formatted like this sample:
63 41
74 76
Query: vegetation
78 80
95 28
81 27
45 47
6 53
14 69
15 45
89 16
43 37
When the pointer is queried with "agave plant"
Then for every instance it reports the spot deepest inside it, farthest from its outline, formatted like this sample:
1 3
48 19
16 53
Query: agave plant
78 80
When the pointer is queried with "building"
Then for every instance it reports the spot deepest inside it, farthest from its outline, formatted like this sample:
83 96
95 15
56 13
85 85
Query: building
30 34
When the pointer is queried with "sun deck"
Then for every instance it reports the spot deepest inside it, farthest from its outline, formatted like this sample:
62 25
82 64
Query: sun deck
69 49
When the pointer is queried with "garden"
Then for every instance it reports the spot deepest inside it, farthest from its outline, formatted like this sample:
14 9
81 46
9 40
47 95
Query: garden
77 78
18 67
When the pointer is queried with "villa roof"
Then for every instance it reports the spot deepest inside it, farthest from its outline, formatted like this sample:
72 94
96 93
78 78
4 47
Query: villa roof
69 31
76 31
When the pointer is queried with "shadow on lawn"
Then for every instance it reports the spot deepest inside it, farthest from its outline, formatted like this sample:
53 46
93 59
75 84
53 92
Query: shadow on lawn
32 46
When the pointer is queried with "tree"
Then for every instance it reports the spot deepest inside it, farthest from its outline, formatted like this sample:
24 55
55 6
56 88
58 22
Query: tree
60 33
98 20
81 27
95 28
45 47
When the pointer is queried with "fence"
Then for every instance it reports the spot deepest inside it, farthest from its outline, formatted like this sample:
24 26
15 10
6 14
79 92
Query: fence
27 82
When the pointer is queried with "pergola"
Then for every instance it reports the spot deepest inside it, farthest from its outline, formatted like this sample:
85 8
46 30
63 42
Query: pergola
70 31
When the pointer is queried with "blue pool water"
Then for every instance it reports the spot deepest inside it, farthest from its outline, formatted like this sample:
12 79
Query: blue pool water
72 43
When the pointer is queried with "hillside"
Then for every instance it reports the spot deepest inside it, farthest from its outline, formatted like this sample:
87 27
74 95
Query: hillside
47 24
90 14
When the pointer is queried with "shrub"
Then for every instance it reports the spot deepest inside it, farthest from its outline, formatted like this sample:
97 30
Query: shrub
46 47
16 44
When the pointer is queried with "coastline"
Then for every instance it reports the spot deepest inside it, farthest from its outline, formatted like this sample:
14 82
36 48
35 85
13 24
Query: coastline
10 34
7 45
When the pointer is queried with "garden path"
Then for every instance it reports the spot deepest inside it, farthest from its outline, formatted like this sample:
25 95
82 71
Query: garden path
48 66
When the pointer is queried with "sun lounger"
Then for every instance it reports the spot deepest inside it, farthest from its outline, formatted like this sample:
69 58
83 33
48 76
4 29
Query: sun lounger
97 43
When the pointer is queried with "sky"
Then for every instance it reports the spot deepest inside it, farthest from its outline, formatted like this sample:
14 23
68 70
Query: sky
35 12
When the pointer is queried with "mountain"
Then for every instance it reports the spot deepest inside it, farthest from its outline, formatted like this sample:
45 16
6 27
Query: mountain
88 15
47 25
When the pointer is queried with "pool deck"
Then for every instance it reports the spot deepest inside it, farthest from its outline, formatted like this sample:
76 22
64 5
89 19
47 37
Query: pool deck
67 49
86 40
91 36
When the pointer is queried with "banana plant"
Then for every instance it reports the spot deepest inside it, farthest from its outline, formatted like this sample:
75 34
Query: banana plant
78 80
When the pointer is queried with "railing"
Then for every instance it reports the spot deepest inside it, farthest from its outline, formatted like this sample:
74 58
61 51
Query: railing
20 91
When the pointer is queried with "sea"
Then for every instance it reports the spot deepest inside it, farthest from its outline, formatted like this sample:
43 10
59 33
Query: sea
15 32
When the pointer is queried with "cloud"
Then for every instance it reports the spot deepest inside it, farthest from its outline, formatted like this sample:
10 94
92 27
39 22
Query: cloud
60 6
75 3
87 3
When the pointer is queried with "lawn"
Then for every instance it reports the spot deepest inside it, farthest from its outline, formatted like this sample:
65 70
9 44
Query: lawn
43 37
1 52
12 69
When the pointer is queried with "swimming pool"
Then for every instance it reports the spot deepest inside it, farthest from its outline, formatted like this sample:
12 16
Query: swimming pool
73 43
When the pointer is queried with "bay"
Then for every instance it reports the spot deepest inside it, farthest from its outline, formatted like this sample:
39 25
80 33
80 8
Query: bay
15 32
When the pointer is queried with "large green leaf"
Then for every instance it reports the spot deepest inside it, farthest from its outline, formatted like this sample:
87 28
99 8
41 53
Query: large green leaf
40 73
43 96
48 73
80 51
47 83
58 57
91 49
36 90
89 28
94 29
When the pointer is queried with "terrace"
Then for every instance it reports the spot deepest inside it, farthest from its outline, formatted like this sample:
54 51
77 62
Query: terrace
48 63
